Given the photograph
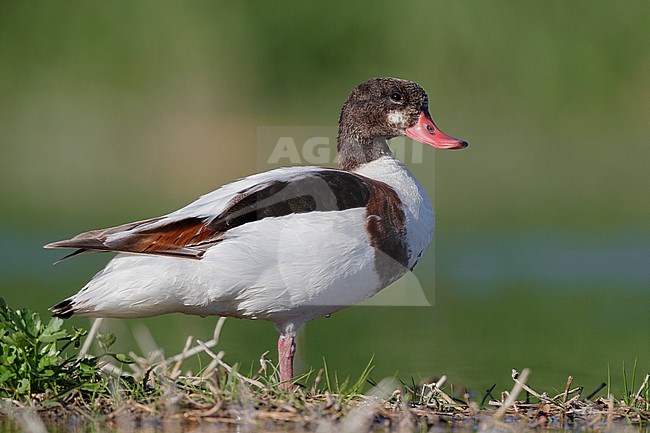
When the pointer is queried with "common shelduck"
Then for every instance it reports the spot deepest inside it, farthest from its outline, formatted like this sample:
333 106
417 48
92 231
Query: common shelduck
287 245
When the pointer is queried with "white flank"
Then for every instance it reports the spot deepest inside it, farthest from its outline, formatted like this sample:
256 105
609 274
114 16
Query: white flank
287 270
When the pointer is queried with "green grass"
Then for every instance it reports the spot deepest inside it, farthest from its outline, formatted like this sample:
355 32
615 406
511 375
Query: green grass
38 370
34 357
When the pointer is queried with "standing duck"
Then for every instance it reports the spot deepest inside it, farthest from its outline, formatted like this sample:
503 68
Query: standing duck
287 245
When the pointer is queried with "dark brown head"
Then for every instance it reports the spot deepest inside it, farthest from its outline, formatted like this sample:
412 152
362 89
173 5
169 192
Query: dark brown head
383 108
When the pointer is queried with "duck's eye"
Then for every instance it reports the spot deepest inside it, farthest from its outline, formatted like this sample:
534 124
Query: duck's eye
396 96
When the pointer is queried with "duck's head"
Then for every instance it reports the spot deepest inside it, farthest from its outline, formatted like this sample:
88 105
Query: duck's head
390 107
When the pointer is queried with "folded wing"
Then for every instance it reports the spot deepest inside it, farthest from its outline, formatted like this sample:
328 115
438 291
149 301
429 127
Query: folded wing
190 231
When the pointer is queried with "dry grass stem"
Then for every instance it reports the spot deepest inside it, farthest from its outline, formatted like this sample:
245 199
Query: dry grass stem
510 401
85 348
228 368
161 390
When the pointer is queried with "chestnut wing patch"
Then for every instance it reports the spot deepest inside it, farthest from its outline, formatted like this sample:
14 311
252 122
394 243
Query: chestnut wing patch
386 226
175 238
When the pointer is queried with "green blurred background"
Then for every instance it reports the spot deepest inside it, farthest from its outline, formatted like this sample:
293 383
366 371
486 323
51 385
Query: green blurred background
117 111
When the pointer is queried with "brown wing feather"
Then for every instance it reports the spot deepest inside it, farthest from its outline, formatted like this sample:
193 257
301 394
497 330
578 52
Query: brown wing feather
184 238
187 237
327 190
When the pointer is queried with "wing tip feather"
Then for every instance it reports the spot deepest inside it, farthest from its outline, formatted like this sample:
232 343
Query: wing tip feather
64 309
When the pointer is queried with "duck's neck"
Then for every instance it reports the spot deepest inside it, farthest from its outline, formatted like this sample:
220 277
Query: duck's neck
357 151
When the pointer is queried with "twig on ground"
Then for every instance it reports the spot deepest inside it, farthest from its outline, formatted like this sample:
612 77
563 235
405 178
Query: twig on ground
228 368
566 389
638 393
519 385
196 349
543 396
601 386
183 355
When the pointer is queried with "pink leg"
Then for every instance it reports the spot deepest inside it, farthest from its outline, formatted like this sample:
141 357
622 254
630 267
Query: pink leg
286 350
